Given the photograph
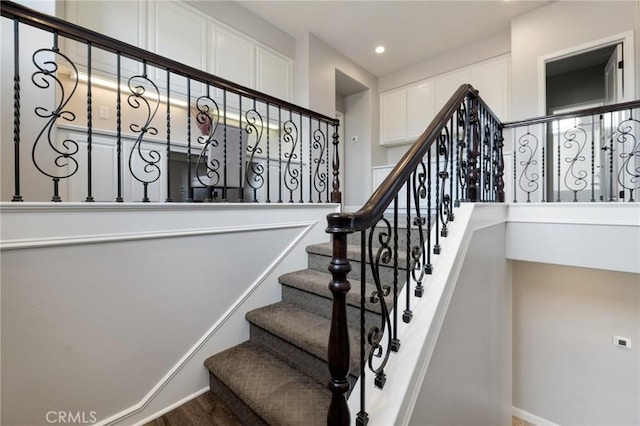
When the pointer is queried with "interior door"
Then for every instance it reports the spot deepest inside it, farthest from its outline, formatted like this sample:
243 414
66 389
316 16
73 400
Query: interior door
613 84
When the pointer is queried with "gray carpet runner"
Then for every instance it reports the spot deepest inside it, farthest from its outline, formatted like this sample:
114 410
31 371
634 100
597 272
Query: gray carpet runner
280 376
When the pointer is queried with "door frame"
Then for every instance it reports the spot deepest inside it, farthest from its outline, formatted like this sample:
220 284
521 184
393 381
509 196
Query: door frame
628 74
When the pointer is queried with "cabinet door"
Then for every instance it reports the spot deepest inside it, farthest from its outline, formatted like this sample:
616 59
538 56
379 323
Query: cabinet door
273 74
177 32
491 78
445 86
122 20
393 116
235 58
420 108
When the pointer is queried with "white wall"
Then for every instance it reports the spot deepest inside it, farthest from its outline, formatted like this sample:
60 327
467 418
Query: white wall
468 381
112 308
545 31
565 367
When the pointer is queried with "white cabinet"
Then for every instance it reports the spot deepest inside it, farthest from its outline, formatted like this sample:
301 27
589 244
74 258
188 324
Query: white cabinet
122 20
273 74
420 108
405 113
393 116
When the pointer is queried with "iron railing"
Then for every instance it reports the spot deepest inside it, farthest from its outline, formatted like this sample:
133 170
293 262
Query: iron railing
458 158
589 155
179 133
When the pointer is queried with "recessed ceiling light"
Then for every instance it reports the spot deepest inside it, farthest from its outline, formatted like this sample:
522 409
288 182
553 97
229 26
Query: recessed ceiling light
380 49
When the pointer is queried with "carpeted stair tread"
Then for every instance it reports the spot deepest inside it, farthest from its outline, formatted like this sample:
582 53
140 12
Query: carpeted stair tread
307 331
353 253
317 282
276 392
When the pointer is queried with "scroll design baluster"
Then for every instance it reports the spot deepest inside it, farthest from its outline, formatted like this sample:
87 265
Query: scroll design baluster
498 159
528 180
418 253
629 171
254 170
445 208
575 179
487 162
383 256
461 149
319 176
472 149
47 63
139 85
207 118
291 179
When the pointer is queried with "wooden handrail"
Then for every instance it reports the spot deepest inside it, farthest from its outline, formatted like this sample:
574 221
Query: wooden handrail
574 114
49 23
374 208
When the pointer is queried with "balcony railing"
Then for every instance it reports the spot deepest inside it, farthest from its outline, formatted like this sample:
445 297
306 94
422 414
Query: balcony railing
590 155
178 133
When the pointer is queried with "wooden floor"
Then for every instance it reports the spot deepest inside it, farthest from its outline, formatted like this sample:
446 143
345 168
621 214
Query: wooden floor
205 410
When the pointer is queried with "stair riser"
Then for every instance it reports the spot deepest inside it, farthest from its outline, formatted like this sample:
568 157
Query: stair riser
321 263
246 415
323 306
303 361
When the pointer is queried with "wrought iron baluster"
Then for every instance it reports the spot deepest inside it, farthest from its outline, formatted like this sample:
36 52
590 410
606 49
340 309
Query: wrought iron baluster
268 200
611 197
291 135
528 146
168 162
472 150
461 150
383 256
138 99
254 170
225 185
362 418
395 342
575 179
16 111
408 314
559 162
119 198
44 78
500 168
311 142
241 153
89 124
189 182
301 161
543 169
280 177
319 177
593 159
444 210
207 115
326 128
428 268
451 175
514 151
436 247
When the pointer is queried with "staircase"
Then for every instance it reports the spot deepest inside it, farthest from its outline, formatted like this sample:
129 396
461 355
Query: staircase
280 375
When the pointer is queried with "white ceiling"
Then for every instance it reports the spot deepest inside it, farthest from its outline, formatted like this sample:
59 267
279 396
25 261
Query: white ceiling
411 31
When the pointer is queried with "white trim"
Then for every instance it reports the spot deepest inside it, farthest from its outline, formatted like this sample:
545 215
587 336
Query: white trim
626 38
135 236
173 406
205 338
531 418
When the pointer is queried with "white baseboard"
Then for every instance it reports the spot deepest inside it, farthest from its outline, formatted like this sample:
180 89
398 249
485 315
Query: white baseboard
531 418
173 406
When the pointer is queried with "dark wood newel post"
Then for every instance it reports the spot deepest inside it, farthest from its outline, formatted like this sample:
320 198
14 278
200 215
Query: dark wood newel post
336 196
472 148
338 351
